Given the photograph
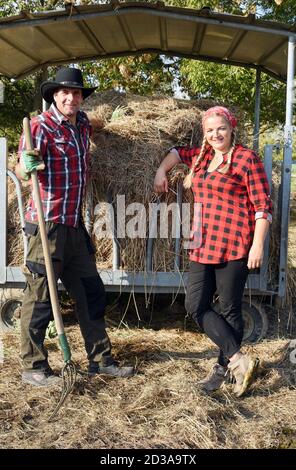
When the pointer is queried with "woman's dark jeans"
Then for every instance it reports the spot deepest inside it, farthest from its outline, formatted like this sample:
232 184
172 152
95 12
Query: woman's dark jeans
228 280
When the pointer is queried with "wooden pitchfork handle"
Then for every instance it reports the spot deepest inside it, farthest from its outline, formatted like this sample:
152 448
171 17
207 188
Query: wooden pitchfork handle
46 252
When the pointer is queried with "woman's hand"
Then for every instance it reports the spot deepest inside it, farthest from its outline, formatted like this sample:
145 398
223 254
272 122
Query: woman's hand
161 184
255 258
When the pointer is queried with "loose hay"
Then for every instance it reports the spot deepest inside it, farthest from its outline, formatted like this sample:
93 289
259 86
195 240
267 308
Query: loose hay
161 407
131 135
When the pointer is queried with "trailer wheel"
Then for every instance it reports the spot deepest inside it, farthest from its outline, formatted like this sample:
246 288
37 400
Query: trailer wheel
256 322
10 309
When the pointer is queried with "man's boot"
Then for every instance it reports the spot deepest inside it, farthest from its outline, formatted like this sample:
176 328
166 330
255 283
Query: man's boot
41 378
113 369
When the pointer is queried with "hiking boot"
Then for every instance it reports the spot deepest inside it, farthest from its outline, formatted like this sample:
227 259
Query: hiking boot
113 369
214 379
41 378
243 370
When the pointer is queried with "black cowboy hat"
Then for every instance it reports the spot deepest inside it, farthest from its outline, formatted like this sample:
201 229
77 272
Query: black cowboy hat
66 77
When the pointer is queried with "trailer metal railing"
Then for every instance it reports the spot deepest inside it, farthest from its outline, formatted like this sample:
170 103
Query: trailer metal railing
146 281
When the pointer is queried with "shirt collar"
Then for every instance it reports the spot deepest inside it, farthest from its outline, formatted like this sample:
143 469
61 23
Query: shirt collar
59 117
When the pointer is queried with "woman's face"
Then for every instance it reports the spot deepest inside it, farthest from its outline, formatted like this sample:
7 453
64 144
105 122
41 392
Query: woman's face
218 133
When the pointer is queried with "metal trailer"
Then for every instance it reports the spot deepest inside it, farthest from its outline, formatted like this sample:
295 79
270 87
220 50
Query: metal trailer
126 17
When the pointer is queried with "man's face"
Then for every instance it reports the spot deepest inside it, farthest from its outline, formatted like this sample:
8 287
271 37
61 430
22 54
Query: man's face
68 101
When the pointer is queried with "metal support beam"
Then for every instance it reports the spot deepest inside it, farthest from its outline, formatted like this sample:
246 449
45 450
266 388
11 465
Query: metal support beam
3 208
152 235
271 52
29 15
115 242
90 37
268 170
257 111
234 44
22 50
126 32
286 169
20 209
198 39
177 262
45 105
141 281
56 17
285 217
130 53
290 98
163 34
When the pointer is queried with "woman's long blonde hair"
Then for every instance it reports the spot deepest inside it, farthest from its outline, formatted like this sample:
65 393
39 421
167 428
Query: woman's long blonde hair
228 116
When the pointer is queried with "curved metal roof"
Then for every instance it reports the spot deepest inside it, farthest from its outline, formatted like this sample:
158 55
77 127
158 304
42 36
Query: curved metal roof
29 41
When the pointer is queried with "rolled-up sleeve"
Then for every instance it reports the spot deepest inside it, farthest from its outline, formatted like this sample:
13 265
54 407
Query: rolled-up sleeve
258 188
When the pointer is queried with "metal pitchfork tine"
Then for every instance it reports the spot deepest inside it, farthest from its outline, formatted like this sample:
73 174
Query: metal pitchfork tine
69 369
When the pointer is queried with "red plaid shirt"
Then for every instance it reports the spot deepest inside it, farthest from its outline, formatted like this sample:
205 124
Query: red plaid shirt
64 149
230 204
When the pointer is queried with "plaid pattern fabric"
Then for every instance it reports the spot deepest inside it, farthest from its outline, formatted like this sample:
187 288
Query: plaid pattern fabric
230 204
64 149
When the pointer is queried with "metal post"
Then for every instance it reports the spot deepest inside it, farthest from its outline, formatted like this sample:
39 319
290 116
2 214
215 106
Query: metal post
18 189
286 169
115 242
152 235
45 105
177 263
257 111
290 88
268 170
3 209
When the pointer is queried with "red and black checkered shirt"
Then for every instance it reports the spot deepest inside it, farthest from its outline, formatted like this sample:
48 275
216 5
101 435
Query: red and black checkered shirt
230 204
65 151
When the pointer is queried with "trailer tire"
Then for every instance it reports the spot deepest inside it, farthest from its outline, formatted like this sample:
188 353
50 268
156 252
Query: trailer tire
255 322
10 309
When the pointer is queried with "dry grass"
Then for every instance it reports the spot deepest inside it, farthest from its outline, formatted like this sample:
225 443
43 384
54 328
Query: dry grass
161 407
131 136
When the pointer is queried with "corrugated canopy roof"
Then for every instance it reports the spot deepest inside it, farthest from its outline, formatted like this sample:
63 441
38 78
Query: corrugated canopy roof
29 41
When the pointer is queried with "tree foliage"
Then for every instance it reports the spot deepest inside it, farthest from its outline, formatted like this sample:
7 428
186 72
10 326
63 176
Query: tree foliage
145 74
235 86
18 102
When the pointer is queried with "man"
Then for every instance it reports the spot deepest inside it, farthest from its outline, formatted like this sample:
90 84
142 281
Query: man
61 139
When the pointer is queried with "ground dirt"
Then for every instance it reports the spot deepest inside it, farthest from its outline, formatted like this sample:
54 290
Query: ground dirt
161 407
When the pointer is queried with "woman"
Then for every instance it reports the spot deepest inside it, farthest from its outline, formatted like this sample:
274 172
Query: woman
229 182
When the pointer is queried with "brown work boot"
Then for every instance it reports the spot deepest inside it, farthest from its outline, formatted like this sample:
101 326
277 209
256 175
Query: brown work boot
214 379
243 371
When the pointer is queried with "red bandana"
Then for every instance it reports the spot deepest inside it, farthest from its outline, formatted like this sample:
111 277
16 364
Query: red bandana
221 111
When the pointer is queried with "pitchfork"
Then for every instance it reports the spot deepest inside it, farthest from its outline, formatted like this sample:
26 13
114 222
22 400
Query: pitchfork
69 369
